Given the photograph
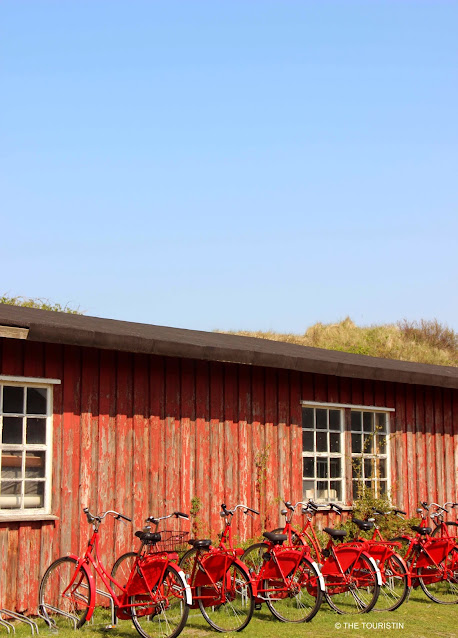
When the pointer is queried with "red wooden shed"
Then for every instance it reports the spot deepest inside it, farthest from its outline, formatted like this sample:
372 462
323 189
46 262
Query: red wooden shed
142 418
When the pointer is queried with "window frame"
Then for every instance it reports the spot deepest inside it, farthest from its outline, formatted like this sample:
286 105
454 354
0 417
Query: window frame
46 447
346 446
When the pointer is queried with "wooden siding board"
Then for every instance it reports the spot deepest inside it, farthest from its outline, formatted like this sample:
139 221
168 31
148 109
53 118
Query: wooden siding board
141 448
431 482
271 429
245 447
449 478
284 454
258 441
410 479
158 459
231 459
295 487
187 412
439 445
216 444
202 490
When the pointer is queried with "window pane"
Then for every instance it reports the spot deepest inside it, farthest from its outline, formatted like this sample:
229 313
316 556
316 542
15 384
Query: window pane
308 490
322 489
334 441
382 488
307 418
381 444
380 421
34 464
336 491
10 495
368 468
307 440
321 419
322 442
12 430
322 468
357 489
13 399
356 443
36 431
334 468
356 421
308 466
368 442
334 419
34 494
382 468
12 465
368 421
357 468
36 400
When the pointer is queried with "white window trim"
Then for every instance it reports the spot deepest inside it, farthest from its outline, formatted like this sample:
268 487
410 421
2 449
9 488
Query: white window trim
327 455
344 433
386 455
45 511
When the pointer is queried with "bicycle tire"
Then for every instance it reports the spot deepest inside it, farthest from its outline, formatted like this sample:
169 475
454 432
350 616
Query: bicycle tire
253 558
236 610
70 611
395 584
166 615
354 597
452 531
440 583
186 563
122 568
303 600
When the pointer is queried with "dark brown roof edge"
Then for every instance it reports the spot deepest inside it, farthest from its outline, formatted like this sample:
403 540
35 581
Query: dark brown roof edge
80 330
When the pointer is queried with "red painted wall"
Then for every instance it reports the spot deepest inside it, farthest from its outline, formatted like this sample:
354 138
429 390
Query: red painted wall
144 434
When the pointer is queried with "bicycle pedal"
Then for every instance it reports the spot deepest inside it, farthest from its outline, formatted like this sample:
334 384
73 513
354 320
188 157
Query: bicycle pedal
257 606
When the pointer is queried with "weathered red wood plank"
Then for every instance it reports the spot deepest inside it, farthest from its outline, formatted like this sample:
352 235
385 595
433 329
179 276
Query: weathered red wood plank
410 478
321 388
245 447
141 448
296 436
72 515
172 435
157 436
439 445
217 444
13 357
449 466
284 447
356 392
271 444
13 579
400 448
455 439
188 439
202 492
430 447
231 456
5 571
420 449
124 480
89 427
107 451
368 392
259 449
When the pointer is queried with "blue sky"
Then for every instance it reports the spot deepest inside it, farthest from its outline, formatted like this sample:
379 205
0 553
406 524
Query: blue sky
234 165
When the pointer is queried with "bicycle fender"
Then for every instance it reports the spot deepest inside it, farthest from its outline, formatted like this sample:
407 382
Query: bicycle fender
91 582
377 570
187 588
320 576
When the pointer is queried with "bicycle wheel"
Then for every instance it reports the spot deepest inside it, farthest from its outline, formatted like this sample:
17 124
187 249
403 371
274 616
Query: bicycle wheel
298 600
64 606
440 582
122 568
356 590
165 615
395 584
450 532
229 605
253 557
187 563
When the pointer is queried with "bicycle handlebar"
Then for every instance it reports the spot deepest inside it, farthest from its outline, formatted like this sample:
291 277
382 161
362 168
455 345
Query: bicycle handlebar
246 509
91 518
153 519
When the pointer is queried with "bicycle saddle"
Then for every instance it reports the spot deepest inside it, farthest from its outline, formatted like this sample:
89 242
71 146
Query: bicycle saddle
200 544
149 538
335 533
276 539
364 526
421 530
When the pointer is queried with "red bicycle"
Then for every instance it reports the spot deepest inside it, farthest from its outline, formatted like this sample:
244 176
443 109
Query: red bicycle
220 582
443 529
156 596
351 575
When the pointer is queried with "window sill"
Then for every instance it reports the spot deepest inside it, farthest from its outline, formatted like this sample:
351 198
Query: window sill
17 518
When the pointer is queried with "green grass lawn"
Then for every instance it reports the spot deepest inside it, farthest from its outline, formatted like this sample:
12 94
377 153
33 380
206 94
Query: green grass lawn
418 618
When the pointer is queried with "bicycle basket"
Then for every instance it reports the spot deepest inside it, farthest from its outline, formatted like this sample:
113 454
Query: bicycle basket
172 541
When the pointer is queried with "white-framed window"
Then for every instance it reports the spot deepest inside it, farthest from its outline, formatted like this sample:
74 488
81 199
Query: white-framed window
322 454
345 448
369 451
25 446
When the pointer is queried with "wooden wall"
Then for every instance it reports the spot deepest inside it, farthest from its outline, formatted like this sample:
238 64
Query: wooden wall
144 434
